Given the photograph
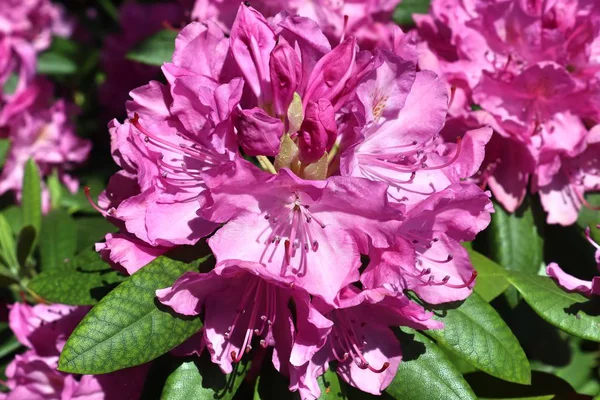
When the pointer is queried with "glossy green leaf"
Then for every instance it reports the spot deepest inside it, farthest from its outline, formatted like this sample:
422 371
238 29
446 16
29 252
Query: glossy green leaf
58 239
8 245
404 11
91 230
78 202
55 189
14 217
426 373
475 332
589 217
491 278
516 242
4 146
129 326
203 380
155 50
332 388
32 196
82 281
567 311
52 63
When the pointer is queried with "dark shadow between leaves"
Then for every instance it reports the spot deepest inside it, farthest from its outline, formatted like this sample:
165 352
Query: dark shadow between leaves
99 292
412 349
542 383
590 307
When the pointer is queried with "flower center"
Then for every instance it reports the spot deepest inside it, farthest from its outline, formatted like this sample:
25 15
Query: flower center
294 227
255 316
345 340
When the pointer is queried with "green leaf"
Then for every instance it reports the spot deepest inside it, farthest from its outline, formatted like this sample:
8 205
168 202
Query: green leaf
475 332
491 278
590 218
426 373
82 281
14 217
515 242
78 202
4 146
129 326
8 246
32 197
11 85
58 239
404 11
201 379
55 189
331 386
566 311
155 50
91 230
9 346
52 63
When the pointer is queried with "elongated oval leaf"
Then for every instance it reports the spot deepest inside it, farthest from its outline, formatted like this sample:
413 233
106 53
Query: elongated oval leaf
203 380
58 239
475 332
155 50
51 63
426 373
8 246
4 146
129 326
566 311
516 242
32 197
491 279
82 281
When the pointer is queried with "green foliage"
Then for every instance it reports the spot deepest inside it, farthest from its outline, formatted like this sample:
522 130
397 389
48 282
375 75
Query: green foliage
404 11
81 281
568 311
155 50
32 196
58 239
51 63
4 146
491 277
475 332
590 218
201 379
129 326
91 230
515 241
426 373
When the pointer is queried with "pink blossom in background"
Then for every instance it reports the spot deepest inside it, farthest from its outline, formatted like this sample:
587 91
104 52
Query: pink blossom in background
298 157
43 132
534 72
138 22
369 21
33 375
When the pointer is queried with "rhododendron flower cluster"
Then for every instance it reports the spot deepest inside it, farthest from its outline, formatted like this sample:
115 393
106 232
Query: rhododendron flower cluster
366 20
36 126
43 330
570 283
532 68
299 158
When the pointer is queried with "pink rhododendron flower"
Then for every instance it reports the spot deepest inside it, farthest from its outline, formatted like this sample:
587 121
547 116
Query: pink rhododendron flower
367 20
532 68
572 284
350 161
42 132
44 329
26 28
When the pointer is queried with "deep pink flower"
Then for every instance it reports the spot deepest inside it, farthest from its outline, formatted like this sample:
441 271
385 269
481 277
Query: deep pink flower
241 301
44 329
532 68
293 227
572 284
361 341
367 20
42 132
